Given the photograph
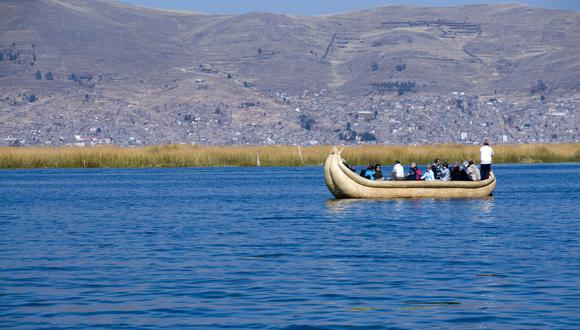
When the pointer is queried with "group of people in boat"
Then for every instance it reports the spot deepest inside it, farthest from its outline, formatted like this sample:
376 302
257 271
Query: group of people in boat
465 171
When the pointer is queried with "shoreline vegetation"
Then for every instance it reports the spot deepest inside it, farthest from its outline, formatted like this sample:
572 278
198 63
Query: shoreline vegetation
278 155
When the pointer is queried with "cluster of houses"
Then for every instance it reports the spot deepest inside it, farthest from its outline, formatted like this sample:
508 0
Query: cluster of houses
314 117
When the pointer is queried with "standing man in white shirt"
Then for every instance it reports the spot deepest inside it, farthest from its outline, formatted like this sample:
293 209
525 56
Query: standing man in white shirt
486 154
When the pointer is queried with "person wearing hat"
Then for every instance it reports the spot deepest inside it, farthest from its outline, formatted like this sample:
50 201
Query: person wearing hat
486 154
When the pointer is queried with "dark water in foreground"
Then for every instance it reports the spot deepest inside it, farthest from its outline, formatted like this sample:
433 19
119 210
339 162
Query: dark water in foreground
268 248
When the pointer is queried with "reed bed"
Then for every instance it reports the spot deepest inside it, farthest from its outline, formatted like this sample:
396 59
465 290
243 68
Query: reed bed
206 156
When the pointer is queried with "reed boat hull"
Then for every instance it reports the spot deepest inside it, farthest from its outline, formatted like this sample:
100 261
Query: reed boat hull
344 183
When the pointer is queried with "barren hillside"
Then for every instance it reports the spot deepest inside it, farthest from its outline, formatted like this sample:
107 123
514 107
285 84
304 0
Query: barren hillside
88 72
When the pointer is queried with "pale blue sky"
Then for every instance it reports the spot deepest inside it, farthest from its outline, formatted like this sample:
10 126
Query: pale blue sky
318 7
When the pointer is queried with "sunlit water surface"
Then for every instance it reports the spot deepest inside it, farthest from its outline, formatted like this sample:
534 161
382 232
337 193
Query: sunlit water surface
252 248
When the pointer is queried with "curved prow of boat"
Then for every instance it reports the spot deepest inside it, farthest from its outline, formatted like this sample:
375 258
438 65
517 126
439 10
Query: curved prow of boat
344 183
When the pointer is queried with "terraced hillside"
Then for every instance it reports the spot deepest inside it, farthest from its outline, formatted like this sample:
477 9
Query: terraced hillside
94 72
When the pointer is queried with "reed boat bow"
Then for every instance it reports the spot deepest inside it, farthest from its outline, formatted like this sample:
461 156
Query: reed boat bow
344 183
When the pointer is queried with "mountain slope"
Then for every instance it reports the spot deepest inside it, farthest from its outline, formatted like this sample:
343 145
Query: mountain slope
125 74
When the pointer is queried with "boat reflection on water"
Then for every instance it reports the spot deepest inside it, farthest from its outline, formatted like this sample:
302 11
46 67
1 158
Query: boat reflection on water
483 206
339 206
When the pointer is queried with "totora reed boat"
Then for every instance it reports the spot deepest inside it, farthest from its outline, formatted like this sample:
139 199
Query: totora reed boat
344 183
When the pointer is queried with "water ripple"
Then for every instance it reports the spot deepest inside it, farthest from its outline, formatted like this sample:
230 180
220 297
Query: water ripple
176 248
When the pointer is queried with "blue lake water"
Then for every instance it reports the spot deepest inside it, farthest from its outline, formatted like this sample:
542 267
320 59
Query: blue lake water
269 248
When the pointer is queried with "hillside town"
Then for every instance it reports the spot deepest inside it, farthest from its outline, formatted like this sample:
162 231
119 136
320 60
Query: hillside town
389 75
313 118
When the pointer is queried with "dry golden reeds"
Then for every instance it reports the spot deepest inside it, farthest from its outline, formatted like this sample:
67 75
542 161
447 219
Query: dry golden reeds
204 156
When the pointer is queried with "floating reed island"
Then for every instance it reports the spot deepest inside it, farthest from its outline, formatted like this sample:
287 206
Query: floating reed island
280 155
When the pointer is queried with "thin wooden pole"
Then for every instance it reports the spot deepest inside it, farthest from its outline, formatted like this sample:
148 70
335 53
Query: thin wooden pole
300 153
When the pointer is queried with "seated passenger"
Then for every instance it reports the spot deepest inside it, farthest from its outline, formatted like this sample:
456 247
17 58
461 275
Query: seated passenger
398 171
350 167
457 174
378 172
414 172
473 172
428 176
463 167
436 168
363 172
369 173
445 173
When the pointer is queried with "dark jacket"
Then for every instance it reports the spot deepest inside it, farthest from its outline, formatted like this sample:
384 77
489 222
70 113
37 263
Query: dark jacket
458 174
436 171
414 174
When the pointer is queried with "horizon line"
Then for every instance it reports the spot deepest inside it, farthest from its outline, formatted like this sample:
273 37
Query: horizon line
129 3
